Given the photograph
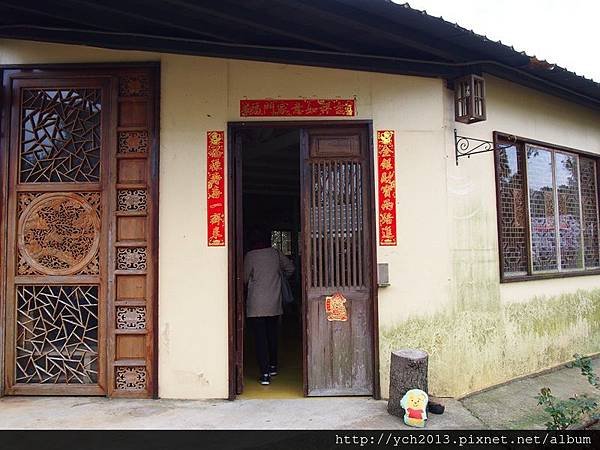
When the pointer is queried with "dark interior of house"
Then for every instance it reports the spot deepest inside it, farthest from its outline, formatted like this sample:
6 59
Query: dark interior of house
271 204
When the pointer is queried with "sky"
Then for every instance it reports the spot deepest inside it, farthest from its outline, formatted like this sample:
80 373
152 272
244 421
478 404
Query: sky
563 32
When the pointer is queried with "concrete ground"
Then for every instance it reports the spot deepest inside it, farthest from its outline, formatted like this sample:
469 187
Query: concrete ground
509 406
306 413
513 406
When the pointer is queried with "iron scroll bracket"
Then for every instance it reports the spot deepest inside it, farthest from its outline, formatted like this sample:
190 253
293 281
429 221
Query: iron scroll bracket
468 146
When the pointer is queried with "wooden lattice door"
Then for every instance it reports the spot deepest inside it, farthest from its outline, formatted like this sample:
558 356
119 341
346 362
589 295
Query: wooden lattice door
79 227
57 235
338 262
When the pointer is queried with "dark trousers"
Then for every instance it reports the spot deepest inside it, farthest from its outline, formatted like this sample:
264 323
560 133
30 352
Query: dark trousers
265 341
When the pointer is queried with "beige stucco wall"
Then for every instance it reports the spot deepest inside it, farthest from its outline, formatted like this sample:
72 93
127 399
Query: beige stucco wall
445 294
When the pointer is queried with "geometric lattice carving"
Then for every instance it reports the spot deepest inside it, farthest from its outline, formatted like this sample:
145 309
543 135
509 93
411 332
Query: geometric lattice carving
59 233
131 200
23 267
589 208
131 258
60 136
549 204
93 267
131 317
24 199
57 334
134 85
130 378
92 198
542 209
569 210
519 207
512 209
133 142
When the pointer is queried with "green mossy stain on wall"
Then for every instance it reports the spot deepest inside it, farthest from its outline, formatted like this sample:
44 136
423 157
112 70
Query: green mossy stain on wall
473 348
477 339
553 316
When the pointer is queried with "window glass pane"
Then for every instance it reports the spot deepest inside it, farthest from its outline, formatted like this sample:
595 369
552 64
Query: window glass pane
541 209
512 211
589 206
569 214
286 242
276 239
282 240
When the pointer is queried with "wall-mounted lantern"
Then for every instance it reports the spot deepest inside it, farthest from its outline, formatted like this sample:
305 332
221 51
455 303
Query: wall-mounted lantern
469 99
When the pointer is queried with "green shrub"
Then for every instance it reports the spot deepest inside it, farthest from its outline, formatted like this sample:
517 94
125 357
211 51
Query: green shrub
566 413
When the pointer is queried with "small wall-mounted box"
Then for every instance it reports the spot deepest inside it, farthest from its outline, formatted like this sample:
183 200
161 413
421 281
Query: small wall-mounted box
383 275
469 99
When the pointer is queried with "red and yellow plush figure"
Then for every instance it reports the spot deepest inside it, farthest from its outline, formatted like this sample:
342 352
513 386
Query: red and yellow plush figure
414 404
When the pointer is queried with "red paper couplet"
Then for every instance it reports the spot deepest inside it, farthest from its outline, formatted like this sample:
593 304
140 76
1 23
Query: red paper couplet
215 187
386 166
298 107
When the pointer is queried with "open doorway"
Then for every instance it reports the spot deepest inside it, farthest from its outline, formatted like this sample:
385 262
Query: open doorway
271 208
307 188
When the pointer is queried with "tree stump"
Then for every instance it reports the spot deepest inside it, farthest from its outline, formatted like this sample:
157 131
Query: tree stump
408 370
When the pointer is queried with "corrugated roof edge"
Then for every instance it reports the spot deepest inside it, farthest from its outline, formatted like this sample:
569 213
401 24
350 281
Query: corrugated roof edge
532 58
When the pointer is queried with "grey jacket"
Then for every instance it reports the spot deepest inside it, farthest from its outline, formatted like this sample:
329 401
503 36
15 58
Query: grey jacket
262 274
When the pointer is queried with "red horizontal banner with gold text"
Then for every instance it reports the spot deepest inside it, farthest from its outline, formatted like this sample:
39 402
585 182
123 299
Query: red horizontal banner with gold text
215 187
386 169
297 107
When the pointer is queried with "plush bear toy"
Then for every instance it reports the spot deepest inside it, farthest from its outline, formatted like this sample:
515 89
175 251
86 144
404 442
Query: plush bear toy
414 404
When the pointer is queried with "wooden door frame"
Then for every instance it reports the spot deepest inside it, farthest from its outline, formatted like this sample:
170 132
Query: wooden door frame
233 211
81 70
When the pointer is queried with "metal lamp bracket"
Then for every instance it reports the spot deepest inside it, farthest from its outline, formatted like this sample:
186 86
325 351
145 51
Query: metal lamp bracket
467 146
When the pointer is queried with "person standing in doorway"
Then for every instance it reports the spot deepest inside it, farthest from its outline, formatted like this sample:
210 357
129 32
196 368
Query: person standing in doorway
264 267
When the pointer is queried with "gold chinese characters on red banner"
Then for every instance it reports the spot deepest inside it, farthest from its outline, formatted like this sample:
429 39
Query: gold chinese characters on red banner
215 187
386 169
298 108
335 308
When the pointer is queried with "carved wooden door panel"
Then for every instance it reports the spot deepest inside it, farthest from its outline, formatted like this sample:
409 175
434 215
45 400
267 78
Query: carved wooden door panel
337 267
80 227
57 234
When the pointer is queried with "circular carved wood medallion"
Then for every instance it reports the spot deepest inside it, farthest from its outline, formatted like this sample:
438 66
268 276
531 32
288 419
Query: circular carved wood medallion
59 233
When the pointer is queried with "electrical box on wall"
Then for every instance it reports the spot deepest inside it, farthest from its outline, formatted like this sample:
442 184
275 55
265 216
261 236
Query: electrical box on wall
383 275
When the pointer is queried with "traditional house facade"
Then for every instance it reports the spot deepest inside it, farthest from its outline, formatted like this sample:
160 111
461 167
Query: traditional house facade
125 189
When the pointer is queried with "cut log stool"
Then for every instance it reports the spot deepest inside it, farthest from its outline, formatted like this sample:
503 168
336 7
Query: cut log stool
408 370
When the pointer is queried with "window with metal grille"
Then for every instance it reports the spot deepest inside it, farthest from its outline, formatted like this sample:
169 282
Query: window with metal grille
547 211
282 240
